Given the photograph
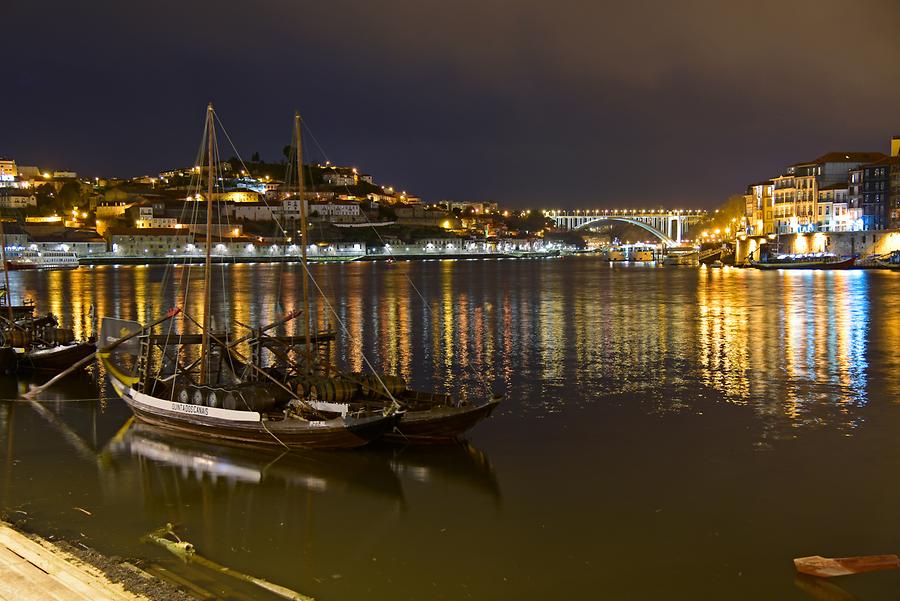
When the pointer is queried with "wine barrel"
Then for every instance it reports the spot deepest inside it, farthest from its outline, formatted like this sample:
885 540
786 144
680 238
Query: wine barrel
230 400
248 397
304 386
256 397
183 396
18 338
334 390
373 387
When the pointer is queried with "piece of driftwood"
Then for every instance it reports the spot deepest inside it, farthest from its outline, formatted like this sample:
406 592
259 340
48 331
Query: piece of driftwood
829 567
188 553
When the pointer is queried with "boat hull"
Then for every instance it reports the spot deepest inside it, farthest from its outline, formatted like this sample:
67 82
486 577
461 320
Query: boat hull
247 427
440 425
13 266
55 358
818 265
321 438
887 265
7 360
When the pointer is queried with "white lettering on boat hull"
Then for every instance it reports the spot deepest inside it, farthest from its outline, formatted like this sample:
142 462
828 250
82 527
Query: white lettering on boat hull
196 410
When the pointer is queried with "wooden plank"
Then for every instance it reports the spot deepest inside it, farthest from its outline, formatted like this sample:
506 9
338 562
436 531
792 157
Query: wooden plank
24 581
82 581
14 586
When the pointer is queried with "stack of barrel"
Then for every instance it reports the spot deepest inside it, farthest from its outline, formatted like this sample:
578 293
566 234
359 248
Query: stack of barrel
242 397
342 389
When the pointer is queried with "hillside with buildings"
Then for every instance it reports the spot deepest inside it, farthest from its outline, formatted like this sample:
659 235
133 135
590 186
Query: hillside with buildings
255 213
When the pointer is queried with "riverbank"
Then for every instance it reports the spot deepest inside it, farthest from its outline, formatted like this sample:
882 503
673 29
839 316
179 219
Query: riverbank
32 567
95 260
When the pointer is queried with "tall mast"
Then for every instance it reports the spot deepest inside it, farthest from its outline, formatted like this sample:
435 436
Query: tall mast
207 272
304 242
5 270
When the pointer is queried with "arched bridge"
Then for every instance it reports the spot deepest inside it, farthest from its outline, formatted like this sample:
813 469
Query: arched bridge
670 227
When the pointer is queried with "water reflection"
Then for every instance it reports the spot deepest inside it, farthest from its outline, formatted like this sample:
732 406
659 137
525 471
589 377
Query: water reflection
461 464
153 450
791 345
377 471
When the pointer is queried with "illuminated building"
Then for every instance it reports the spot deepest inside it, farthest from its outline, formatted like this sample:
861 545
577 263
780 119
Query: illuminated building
833 212
17 198
795 194
759 207
8 171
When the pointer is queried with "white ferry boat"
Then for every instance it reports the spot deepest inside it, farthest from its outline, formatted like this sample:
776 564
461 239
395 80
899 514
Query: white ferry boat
48 259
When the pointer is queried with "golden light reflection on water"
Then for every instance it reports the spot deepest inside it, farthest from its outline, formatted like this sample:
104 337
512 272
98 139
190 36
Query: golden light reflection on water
723 334
444 344
793 346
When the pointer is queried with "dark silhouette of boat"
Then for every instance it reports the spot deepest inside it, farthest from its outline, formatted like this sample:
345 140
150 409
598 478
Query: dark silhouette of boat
806 261
439 418
36 344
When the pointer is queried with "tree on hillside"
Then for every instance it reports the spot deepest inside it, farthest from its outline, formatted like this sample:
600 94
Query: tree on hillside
47 199
255 158
528 222
728 215
387 213
69 196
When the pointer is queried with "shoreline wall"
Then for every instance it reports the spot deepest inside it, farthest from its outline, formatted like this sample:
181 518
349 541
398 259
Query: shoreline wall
860 244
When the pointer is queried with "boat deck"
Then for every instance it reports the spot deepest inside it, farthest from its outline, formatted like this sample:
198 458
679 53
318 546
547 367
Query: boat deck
32 570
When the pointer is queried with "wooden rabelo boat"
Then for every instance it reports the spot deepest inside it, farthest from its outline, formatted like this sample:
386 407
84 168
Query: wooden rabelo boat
303 366
220 394
806 261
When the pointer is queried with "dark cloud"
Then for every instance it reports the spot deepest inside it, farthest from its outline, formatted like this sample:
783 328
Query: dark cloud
532 103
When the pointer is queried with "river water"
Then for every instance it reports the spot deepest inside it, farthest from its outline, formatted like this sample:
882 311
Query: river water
672 433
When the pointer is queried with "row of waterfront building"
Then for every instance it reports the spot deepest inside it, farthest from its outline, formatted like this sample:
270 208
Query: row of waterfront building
174 243
836 192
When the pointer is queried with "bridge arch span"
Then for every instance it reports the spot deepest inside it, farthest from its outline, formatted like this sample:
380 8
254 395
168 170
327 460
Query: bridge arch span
606 219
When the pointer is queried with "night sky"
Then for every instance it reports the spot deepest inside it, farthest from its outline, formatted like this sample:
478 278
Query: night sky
533 104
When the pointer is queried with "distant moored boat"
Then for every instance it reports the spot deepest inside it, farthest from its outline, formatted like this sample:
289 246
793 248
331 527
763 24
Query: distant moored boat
806 261
50 259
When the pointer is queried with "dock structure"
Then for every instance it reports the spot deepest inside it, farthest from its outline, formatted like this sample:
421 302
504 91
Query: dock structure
36 569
